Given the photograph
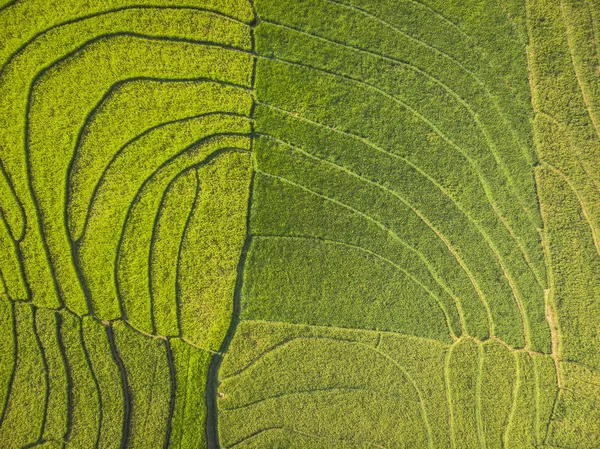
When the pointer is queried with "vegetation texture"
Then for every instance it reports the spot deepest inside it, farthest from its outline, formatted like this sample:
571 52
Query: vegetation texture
300 224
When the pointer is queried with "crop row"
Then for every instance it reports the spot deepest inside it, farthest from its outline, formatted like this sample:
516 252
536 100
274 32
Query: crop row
96 384
379 389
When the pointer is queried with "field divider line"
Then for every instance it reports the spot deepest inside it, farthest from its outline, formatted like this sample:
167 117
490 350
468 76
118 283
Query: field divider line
390 360
478 386
17 237
458 98
380 257
19 257
68 374
173 395
448 384
180 251
332 438
211 426
255 434
453 60
14 367
150 263
424 220
513 408
595 31
126 389
28 182
301 433
538 437
552 316
88 363
3 288
371 219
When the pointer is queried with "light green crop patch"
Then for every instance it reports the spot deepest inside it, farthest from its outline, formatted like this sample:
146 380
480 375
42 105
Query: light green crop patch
149 384
103 106
189 414
108 381
211 248
56 424
27 396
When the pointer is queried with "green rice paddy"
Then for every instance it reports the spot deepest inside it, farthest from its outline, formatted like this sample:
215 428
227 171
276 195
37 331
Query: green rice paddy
300 224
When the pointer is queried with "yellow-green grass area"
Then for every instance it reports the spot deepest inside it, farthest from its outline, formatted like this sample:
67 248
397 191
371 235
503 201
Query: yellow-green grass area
314 386
125 173
97 384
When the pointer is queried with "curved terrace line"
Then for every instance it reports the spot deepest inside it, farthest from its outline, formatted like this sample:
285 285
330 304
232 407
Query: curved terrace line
380 257
379 225
458 98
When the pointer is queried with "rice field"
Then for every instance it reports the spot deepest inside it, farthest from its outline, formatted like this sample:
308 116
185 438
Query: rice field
300 224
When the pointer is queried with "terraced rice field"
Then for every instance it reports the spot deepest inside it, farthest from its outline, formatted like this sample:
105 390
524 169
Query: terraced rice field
300 224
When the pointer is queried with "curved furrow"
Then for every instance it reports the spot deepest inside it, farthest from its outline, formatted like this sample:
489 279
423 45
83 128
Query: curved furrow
383 258
178 259
44 357
85 399
51 222
429 224
187 149
149 385
174 211
318 391
152 103
48 17
11 206
11 80
56 422
462 101
120 258
366 217
14 280
9 353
